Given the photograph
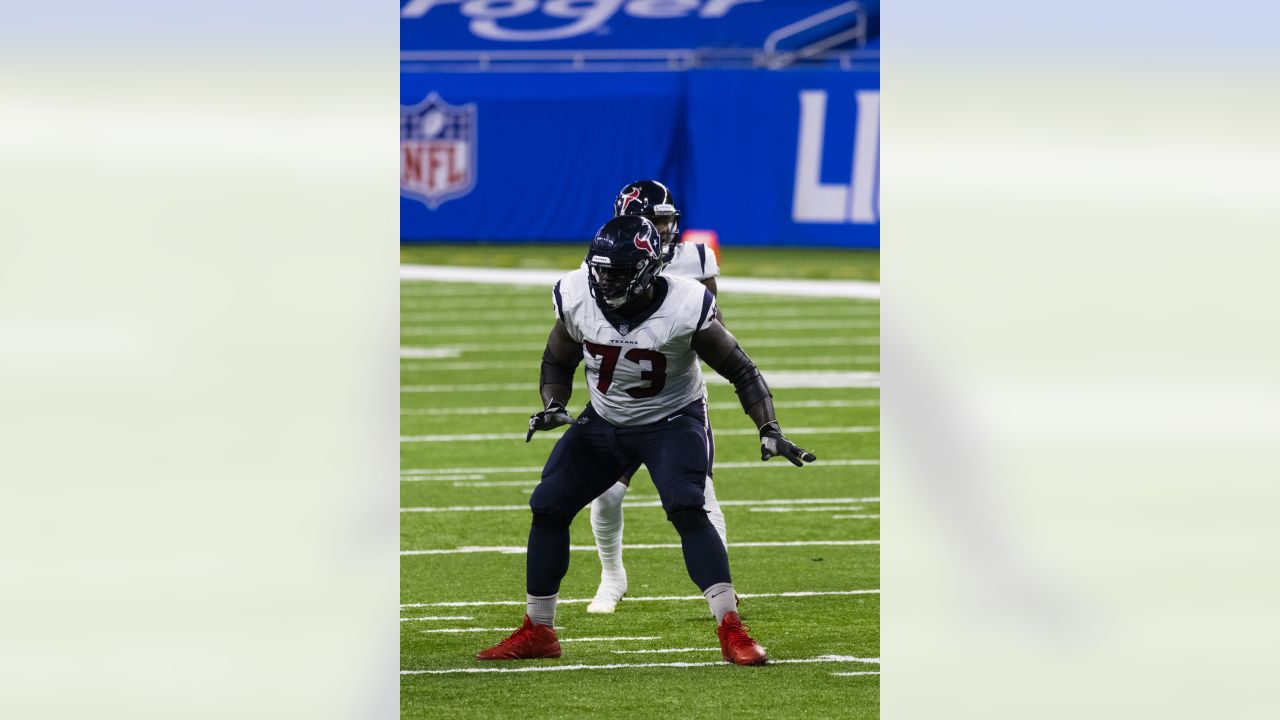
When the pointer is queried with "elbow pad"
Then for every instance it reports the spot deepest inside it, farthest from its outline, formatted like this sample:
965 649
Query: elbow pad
553 373
746 378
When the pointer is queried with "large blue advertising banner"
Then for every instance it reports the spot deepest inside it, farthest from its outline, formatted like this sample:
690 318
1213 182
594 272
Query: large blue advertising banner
785 158
544 154
760 157
451 25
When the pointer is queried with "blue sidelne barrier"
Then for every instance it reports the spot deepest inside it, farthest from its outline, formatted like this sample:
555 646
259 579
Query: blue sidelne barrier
760 157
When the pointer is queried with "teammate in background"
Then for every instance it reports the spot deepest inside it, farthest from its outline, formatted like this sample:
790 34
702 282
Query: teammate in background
652 200
642 336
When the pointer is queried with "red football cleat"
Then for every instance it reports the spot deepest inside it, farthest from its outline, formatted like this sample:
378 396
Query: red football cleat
529 642
736 645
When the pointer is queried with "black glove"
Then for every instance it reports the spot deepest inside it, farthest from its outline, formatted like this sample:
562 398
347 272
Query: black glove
553 417
773 442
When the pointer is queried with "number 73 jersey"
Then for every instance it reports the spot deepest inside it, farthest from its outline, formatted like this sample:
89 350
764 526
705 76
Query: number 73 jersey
643 369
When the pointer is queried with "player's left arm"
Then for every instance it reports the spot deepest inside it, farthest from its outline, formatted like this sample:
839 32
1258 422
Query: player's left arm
720 349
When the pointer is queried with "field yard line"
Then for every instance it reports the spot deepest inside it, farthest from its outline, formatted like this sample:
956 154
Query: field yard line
848 674
617 666
463 630
780 378
538 468
520 550
441 617
663 598
791 432
663 650
605 639
427 330
430 365
653 503
830 508
812 379
461 317
524 409
762 286
747 343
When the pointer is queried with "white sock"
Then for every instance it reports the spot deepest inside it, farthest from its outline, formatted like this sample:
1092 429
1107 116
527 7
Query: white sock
722 600
714 513
606 525
542 610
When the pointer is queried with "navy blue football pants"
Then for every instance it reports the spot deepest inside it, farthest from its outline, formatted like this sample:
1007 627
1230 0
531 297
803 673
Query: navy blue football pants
589 458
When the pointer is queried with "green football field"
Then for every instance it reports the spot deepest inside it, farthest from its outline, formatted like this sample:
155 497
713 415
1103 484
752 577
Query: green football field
804 542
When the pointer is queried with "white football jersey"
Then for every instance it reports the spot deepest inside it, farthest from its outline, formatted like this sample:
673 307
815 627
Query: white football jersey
694 261
644 370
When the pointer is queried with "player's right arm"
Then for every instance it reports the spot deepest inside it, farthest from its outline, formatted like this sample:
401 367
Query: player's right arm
555 384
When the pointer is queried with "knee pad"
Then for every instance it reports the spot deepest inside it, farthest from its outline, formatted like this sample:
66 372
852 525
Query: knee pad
551 521
689 520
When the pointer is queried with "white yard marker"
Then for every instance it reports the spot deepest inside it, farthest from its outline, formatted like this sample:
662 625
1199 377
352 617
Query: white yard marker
791 432
611 639
747 344
534 328
520 550
547 278
746 465
664 598
651 503
812 379
831 508
664 650
620 666
524 409
848 674
439 617
463 630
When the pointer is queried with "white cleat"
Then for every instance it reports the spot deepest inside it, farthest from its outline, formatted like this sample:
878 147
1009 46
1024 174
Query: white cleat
608 595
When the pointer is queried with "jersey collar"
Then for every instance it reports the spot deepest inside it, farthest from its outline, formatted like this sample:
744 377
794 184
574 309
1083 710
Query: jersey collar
625 325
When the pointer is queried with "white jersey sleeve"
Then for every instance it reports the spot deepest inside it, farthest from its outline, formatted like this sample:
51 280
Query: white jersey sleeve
694 261
642 371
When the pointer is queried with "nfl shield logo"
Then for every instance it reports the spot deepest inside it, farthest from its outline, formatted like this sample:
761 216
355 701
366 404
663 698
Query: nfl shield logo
437 151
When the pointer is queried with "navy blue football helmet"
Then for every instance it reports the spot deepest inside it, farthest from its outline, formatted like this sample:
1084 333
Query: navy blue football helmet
623 260
651 199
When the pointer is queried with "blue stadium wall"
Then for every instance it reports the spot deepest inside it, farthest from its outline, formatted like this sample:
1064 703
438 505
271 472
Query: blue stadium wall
762 157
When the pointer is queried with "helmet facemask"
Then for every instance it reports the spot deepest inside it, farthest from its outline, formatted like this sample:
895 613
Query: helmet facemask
615 285
667 219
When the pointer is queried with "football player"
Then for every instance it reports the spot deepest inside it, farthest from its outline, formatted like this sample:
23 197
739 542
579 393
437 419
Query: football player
652 200
641 335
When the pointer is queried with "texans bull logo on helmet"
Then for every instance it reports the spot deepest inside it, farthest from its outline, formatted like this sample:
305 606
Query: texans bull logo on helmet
642 242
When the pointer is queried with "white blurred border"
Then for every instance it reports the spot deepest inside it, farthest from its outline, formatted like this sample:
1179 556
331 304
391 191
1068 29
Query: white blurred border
198 367
1080 360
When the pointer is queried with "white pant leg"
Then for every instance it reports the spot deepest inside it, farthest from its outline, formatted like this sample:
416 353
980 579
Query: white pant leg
606 525
714 513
